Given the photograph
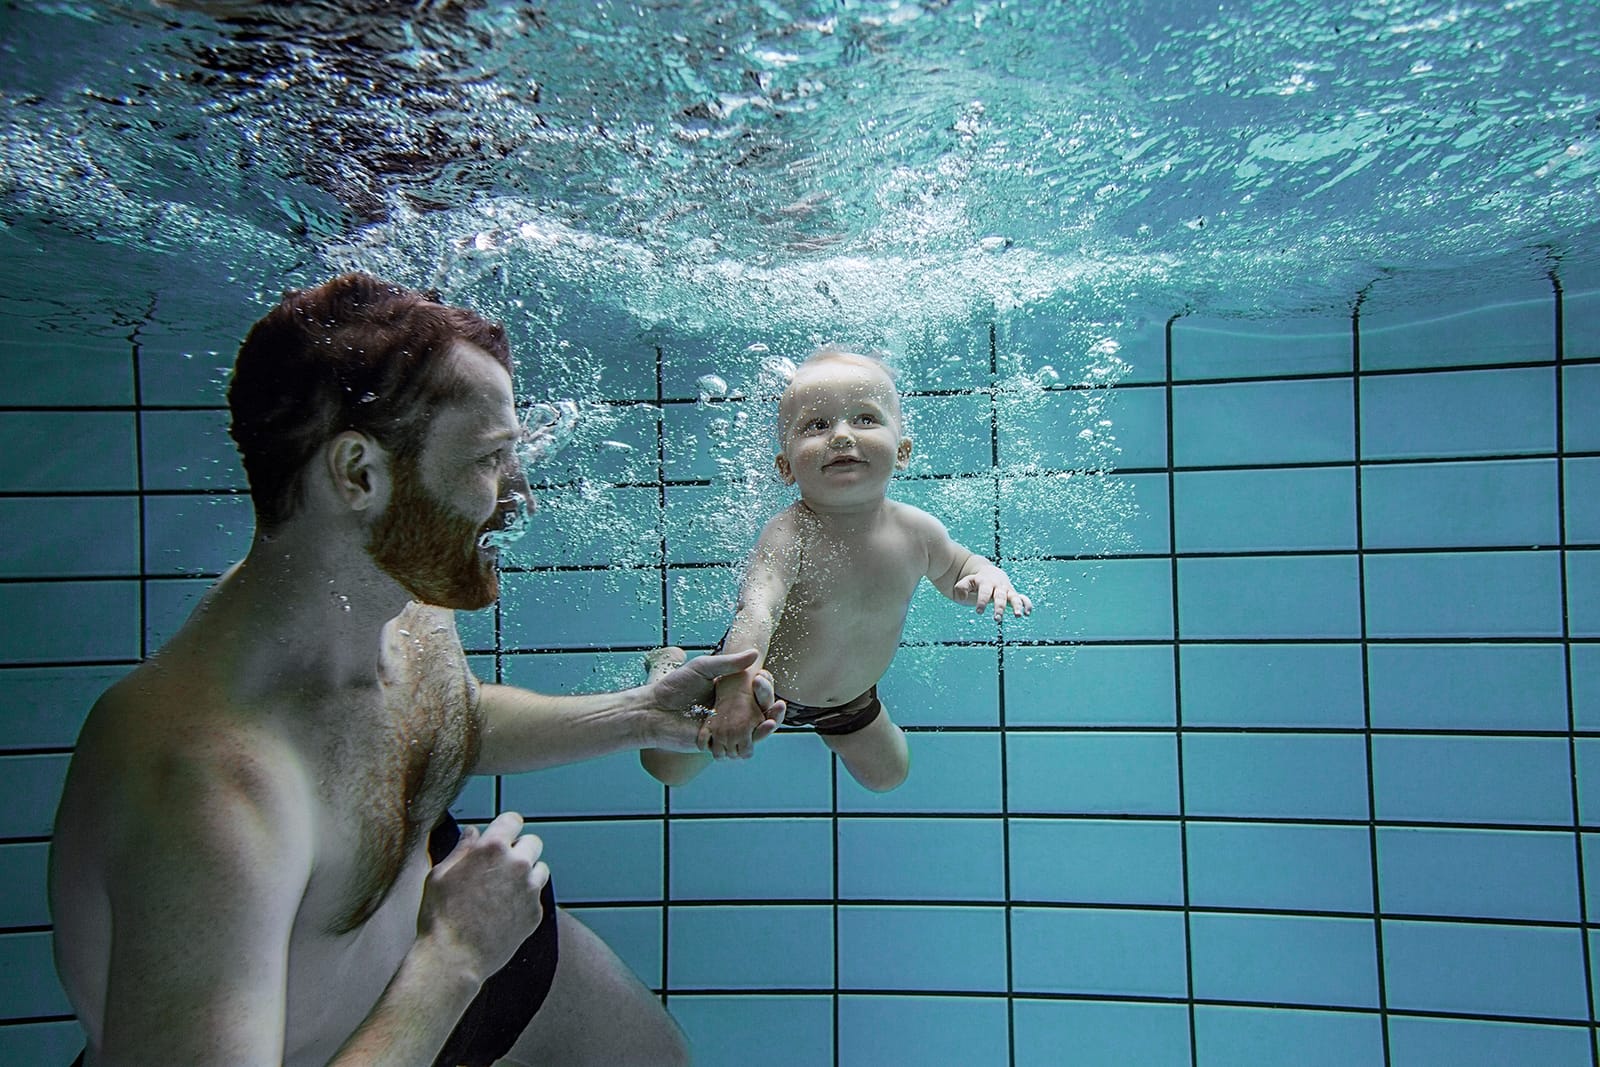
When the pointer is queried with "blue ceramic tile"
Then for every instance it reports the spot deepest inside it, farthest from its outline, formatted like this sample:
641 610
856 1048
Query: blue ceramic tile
44 707
189 450
1272 685
22 872
611 443
601 861
1216 348
1075 429
1422 1042
1583 593
1240 775
1483 969
1067 1033
52 622
731 440
1096 861
167 605
904 1031
788 773
1580 399
69 537
172 371
477 628
792 1031
759 859
733 354
194 535
1512 331
949 434
574 672
1279 866
1066 337
909 859
41 1042
943 686
1580 312
610 785
1232 1037
67 451
775 946
1477 686
1509 503
28 983
634 934
50 370
1524 780
1501 874
1089 685
1258 423
955 772
1285 959
1587 759
1098 951
1095 600
1582 514
476 802
712 523
1458 413
1591 873
1268 596
571 609
602 354
966 506
591 524
1586 686
1092 773
700 603
943 353
1084 514
934 617
1265 510
954 949
1464 594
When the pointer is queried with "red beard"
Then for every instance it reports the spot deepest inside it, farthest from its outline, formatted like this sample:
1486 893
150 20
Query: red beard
431 550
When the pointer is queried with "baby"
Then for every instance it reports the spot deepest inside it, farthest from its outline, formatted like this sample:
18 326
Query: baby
828 585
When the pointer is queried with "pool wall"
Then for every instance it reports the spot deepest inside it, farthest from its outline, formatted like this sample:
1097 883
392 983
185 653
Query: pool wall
1305 770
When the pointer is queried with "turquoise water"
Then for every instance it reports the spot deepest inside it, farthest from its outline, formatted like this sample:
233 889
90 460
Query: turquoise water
1260 342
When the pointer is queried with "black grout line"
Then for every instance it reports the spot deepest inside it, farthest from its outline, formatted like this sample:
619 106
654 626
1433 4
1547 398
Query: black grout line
1366 697
666 791
1000 714
1177 702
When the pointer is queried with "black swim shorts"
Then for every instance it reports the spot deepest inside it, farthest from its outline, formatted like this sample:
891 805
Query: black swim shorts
512 995
840 719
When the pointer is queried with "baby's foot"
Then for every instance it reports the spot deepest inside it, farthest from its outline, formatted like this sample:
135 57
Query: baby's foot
661 661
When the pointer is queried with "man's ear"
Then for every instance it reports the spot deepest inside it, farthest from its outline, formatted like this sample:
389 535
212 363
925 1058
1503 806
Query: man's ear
358 470
782 463
902 455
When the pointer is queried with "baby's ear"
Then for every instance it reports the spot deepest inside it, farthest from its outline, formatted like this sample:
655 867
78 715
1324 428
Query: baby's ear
782 463
902 455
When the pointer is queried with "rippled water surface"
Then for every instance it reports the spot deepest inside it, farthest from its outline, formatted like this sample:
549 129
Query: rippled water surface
869 169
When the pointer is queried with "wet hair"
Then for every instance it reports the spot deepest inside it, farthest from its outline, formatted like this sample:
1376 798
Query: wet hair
355 353
834 353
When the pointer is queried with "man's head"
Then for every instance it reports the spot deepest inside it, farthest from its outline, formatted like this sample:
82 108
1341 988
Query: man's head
359 379
840 432
355 353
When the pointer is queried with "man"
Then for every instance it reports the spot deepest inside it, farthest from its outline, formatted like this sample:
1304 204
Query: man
252 862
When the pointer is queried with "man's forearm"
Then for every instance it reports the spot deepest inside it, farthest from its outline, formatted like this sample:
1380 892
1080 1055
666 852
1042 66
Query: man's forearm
527 731
414 1017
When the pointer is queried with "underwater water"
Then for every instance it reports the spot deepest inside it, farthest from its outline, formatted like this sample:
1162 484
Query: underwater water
1259 341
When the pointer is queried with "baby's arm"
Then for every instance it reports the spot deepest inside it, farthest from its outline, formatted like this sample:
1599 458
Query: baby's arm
963 575
739 721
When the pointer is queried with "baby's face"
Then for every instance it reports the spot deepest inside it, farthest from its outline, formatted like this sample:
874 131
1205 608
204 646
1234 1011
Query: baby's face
842 439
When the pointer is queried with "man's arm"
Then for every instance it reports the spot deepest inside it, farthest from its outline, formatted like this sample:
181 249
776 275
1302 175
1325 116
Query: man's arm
526 731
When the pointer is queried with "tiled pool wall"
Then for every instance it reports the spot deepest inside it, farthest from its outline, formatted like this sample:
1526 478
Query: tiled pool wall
1304 769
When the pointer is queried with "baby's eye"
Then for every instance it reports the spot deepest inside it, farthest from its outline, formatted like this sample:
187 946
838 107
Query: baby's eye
866 418
817 425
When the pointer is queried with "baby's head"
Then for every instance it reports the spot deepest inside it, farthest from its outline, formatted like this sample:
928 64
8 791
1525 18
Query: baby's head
840 410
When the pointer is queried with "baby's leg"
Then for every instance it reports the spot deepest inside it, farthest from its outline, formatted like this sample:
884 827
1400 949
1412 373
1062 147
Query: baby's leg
875 755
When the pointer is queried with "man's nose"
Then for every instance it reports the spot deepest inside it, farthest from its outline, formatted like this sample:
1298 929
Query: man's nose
515 487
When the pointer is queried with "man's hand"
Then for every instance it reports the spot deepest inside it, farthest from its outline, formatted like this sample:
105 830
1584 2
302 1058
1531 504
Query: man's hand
689 692
482 900
990 585
732 729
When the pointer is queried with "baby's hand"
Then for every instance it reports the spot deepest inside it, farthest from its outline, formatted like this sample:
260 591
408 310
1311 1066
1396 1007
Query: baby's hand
989 585
733 728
